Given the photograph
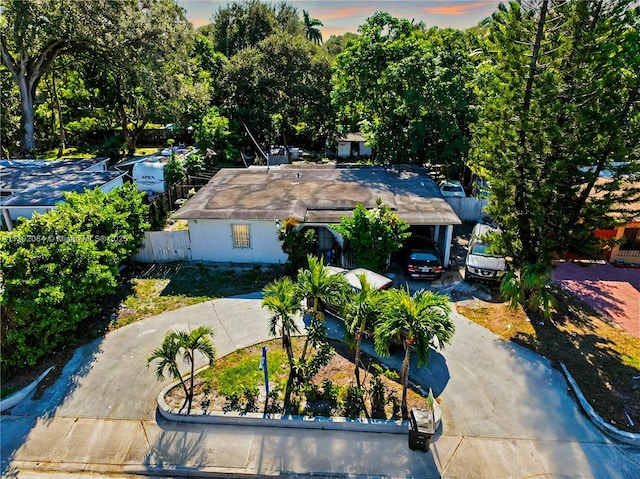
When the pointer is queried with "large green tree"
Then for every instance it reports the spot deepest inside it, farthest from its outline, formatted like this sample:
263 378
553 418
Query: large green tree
134 52
242 25
422 320
407 90
145 73
558 85
281 87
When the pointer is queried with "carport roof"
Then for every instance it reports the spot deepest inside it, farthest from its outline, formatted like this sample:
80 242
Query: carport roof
319 194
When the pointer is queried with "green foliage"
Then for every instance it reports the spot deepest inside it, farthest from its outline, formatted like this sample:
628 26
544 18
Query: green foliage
187 344
282 75
243 25
212 133
378 399
174 170
311 30
407 90
421 320
373 235
296 243
558 89
58 267
353 406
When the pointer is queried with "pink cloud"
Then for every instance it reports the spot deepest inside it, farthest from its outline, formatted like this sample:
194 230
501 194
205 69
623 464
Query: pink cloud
457 9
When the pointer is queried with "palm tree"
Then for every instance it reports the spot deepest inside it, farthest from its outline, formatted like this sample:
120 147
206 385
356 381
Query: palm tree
283 299
167 354
311 32
419 320
318 284
192 342
362 308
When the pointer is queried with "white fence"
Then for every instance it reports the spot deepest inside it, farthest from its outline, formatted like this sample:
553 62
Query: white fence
468 209
165 247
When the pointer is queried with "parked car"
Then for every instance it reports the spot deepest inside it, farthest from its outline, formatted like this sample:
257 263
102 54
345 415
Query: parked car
423 259
452 188
481 263
376 280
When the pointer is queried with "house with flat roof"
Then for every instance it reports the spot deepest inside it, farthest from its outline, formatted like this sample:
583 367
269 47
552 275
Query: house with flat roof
237 215
37 186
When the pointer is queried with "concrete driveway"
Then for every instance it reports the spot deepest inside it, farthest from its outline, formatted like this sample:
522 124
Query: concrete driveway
506 413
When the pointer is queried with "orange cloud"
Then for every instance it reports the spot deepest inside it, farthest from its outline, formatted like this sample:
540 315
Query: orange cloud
342 13
457 9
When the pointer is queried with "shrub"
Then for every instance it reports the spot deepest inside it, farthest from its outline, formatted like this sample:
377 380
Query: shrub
58 267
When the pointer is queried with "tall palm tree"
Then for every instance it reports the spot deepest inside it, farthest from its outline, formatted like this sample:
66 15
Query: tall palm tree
362 308
283 299
311 30
318 284
167 354
419 320
196 341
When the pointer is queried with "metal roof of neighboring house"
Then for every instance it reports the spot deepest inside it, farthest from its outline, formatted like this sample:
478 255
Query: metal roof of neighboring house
48 189
24 174
319 194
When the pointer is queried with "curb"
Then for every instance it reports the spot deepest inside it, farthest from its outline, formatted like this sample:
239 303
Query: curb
9 402
285 420
632 439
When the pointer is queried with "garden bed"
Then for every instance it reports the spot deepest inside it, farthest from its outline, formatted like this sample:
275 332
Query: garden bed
235 386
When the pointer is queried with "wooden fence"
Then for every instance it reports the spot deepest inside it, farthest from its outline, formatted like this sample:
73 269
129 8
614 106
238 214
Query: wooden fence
165 247
470 209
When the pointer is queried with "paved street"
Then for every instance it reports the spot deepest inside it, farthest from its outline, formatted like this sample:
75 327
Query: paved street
506 413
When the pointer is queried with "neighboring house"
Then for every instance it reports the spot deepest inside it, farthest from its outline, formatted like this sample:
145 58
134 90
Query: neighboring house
36 186
353 146
237 215
626 250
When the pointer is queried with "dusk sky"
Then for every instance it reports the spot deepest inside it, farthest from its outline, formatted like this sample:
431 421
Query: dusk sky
341 16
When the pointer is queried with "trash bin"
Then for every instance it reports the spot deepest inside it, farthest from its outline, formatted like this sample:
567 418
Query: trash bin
422 427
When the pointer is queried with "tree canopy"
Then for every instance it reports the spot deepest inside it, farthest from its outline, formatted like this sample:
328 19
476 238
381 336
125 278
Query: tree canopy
558 87
408 90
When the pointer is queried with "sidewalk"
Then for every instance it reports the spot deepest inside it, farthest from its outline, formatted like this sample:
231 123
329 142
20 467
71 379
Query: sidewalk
506 413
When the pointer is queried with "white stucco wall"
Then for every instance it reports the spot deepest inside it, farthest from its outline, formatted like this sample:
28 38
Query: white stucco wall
212 240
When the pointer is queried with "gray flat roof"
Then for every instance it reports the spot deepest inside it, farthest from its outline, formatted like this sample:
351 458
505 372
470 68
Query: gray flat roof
48 189
319 194
24 174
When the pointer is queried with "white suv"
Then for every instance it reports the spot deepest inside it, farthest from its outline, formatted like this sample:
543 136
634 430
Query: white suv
480 264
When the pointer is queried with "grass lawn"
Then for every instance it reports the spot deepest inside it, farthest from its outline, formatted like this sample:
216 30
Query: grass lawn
148 290
602 357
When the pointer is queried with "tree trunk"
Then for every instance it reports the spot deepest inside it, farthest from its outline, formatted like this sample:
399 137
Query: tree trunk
357 358
191 382
27 118
404 376
59 110
520 200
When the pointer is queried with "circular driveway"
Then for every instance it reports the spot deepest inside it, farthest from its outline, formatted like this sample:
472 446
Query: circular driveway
506 413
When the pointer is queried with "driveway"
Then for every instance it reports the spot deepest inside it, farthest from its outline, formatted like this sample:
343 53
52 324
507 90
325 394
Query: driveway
613 291
506 413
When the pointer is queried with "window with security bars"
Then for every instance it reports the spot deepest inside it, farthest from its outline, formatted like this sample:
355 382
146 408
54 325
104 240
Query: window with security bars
241 236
